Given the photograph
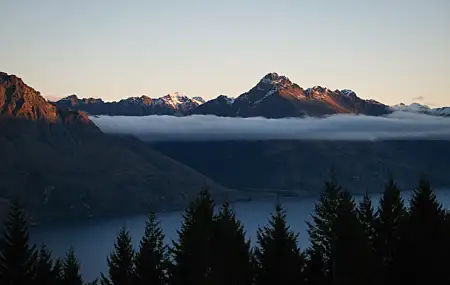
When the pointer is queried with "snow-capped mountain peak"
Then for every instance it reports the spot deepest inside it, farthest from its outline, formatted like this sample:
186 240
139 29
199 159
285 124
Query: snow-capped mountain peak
199 100
422 109
444 111
348 92
414 107
270 84
275 79
418 106
178 101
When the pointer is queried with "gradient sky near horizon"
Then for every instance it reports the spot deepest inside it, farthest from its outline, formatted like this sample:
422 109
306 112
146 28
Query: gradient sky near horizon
391 51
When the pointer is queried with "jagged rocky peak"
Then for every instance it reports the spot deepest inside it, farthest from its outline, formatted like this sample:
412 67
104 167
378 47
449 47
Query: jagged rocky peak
348 92
274 78
143 100
179 98
198 99
91 100
414 107
70 97
146 100
419 106
226 99
20 100
75 100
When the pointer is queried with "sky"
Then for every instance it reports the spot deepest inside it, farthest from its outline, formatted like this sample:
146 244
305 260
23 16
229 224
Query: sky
391 51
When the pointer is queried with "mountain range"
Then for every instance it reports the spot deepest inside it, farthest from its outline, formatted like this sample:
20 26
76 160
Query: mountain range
422 109
274 96
61 166
171 104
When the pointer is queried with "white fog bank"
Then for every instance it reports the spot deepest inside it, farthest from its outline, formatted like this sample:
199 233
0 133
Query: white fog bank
398 125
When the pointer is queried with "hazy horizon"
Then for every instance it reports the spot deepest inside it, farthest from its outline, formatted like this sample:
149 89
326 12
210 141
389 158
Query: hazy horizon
392 52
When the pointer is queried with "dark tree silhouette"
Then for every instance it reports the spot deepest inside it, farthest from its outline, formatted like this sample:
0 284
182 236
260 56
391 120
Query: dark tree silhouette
315 267
351 250
320 229
424 241
120 261
17 258
151 261
193 252
367 217
44 269
279 260
389 225
350 245
58 271
71 269
233 256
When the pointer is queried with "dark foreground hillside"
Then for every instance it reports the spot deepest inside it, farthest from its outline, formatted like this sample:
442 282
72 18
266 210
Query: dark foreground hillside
61 166
302 165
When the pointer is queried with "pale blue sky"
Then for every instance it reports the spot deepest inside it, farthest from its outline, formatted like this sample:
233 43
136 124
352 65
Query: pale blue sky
389 50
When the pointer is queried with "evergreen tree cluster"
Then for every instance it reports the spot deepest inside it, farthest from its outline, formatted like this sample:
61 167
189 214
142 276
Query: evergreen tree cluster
350 243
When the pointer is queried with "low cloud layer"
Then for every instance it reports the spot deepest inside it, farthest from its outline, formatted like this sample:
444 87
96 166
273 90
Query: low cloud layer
398 125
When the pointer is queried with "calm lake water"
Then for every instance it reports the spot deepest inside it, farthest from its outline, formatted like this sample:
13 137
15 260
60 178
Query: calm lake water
93 240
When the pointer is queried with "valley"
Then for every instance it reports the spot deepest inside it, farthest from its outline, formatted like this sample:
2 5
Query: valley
62 166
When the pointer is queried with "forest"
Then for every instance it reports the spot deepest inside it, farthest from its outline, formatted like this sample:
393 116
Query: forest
351 243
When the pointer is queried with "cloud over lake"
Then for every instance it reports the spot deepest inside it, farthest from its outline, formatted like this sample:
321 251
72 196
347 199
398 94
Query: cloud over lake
398 125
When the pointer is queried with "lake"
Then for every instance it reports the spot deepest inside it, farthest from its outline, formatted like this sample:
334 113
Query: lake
93 240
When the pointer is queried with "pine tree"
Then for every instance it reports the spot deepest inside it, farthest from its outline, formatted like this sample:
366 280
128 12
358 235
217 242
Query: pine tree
58 271
121 261
445 235
151 259
17 258
351 250
70 269
320 229
193 252
315 267
389 225
233 262
278 257
367 218
44 268
424 239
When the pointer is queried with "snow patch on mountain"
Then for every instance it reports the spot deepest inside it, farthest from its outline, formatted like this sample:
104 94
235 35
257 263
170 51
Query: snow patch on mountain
348 92
272 79
271 92
178 101
445 111
228 100
419 108
414 107
198 100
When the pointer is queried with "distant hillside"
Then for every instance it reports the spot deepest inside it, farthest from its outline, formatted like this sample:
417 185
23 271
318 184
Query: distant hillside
60 165
303 165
